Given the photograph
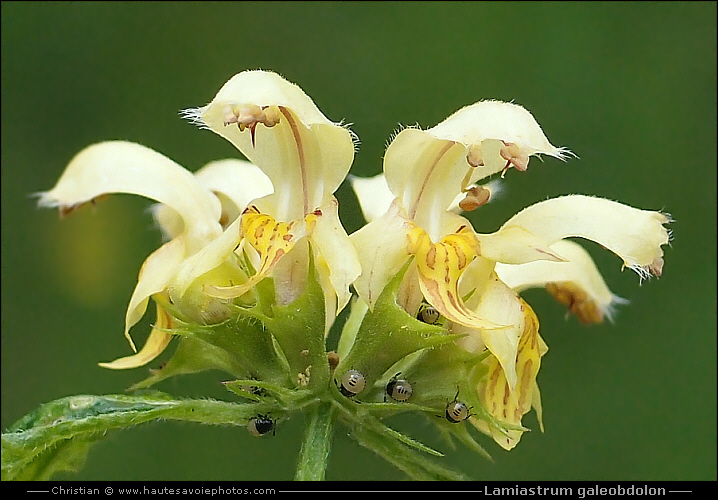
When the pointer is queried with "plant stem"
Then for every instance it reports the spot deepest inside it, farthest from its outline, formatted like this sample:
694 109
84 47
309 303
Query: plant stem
317 442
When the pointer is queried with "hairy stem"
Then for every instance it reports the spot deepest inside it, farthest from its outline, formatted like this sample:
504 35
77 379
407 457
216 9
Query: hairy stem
314 454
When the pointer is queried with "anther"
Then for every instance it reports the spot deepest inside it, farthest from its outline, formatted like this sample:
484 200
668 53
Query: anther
248 115
229 116
270 116
656 267
476 196
474 156
513 156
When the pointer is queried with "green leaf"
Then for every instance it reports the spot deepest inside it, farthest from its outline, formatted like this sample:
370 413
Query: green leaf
407 459
247 342
57 436
299 330
385 336
193 356
461 432
67 455
446 372
382 429
256 390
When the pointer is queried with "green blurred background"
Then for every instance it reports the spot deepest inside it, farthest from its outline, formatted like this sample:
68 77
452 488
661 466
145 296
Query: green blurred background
629 87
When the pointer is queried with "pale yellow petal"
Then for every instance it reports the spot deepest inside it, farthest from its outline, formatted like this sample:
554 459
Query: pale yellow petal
279 129
428 169
498 304
634 235
381 248
236 183
333 247
373 194
156 273
440 267
156 343
263 89
425 173
125 167
475 279
504 121
578 277
515 245
209 257
239 180
330 295
290 274
508 403
537 406
497 135
168 220
271 239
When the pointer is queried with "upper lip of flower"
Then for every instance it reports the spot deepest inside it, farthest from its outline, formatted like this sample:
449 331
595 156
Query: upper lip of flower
279 128
428 168
306 157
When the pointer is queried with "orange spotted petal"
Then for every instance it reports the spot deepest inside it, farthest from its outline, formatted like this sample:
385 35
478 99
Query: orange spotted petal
509 406
440 266
271 239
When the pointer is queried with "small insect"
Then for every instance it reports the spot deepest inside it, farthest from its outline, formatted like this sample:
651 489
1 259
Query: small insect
456 411
353 382
428 314
399 389
260 425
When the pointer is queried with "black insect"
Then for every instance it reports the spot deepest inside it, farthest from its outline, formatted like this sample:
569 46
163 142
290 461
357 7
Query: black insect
261 425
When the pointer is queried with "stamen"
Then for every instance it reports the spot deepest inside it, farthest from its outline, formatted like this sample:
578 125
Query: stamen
247 116
577 300
229 116
66 210
656 267
513 156
270 116
252 128
476 196
474 156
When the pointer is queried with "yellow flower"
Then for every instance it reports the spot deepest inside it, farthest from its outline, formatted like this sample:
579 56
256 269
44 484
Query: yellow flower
306 157
472 279
265 208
